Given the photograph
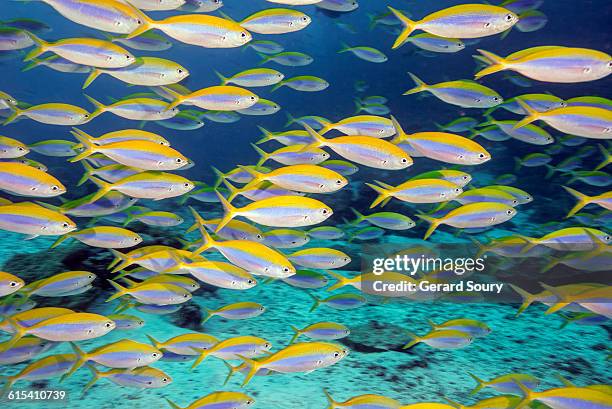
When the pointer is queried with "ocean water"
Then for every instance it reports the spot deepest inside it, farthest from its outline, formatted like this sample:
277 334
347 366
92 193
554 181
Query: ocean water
532 343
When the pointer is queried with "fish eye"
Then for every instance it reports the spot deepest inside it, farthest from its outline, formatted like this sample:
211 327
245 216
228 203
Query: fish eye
138 21
509 17
515 202
86 116
54 188
243 34
249 402
252 98
154 354
457 190
249 281
286 269
179 160
185 295
607 238
128 56
108 325
338 182
186 185
487 25
481 155
336 354
20 149
65 225
13 284
179 71
509 212
164 380
404 160
495 99
136 238
305 18
324 211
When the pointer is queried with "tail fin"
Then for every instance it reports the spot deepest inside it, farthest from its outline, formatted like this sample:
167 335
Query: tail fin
532 115
172 404
232 370
318 139
203 354
105 187
345 47
119 257
434 223
207 241
153 341
228 215
264 58
89 170
341 280
208 315
383 194
278 85
359 217
583 200
551 171
220 177
99 108
528 395
497 64
147 24
222 78
606 155
528 298
60 240
420 85
95 73
177 98
17 112
267 135
40 46
33 64
297 333
19 332
120 290
480 384
253 368
263 155
316 302
400 135
86 141
415 340
81 358
331 402
95 376
358 106
409 27
290 119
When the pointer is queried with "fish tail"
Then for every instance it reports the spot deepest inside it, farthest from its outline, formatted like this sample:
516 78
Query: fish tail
556 307
420 85
147 24
264 58
297 333
80 361
40 47
220 177
207 315
85 140
583 200
8 383
318 139
18 332
383 194
518 164
409 27
415 340
277 85
153 341
551 171
528 298
497 64
358 106
532 115
207 241
290 119
17 112
267 135
95 73
253 368
315 302
203 354
345 47
341 281
99 108
331 402
434 223
606 156
221 77
88 172
172 404
59 240
431 324
33 64
453 403
263 155
177 99
400 135
359 217
480 383
105 187
228 215
95 376
528 395
232 370
120 290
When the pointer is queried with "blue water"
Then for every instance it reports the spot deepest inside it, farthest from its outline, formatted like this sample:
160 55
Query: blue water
532 343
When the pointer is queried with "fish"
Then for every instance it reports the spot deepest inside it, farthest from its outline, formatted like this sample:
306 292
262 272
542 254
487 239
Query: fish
236 311
103 236
344 301
416 191
265 46
475 328
298 357
306 279
198 29
11 148
46 368
441 339
126 321
235 400
145 185
364 150
137 109
141 154
368 400
342 167
78 326
59 284
261 107
319 258
185 344
52 114
339 6
287 59
462 21
255 77
603 200
472 215
571 65
508 383
145 42
142 377
463 93
235 348
369 125
285 238
327 331
369 54
385 220
24 350
442 146
276 21
152 293
148 71
436 44
557 398
34 220
24 180
218 98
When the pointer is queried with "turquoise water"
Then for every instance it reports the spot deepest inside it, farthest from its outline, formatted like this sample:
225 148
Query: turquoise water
532 343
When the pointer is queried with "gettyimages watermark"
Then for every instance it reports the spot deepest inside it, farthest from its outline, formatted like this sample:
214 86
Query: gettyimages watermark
465 273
